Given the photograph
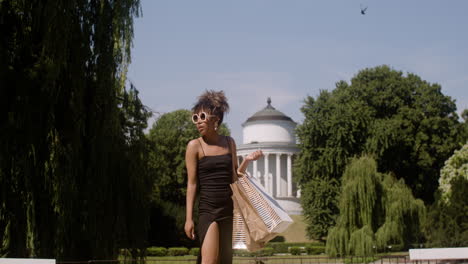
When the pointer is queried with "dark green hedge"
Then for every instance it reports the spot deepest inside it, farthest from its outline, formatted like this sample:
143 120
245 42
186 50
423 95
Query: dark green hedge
267 251
177 251
194 251
295 250
283 247
156 251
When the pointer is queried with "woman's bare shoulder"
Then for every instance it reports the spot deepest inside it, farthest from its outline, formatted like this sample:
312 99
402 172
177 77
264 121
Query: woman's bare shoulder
231 141
193 145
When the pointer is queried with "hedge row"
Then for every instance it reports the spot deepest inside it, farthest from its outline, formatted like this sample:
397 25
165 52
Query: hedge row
282 247
270 249
173 251
264 252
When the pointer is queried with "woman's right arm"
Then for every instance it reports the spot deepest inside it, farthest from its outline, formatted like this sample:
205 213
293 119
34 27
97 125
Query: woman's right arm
191 158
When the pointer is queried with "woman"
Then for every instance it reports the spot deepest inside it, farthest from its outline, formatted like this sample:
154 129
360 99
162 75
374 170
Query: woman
209 165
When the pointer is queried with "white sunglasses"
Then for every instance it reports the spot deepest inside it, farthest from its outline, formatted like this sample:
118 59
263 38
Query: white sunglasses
202 117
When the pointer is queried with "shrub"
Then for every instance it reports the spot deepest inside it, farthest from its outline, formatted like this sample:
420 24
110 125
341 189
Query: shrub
156 251
268 251
178 251
295 250
352 260
315 250
282 247
242 253
194 251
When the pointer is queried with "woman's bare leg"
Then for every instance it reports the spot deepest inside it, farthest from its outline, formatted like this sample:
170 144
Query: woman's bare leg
210 247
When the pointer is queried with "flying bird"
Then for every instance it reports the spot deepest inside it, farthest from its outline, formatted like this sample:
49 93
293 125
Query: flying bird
363 10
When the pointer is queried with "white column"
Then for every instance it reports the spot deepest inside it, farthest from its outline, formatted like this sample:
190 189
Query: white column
267 178
289 175
278 175
270 177
254 173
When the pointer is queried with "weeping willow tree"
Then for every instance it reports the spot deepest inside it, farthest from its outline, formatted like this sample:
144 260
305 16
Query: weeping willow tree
376 210
72 149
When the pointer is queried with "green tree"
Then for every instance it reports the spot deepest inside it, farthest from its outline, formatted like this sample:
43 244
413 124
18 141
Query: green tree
376 210
447 221
455 166
169 137
72 150
406 123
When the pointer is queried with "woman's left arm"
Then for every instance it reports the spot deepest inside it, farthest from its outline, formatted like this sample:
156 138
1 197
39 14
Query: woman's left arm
240 169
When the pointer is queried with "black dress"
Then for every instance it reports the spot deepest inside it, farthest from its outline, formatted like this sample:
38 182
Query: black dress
215 203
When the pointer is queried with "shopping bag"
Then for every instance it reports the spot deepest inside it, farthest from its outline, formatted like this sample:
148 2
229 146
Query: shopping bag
258 218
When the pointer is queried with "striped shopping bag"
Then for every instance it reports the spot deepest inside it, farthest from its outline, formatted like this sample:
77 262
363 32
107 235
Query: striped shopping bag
258 218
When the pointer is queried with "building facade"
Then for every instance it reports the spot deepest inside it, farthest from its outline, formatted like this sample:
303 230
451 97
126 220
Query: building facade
274 133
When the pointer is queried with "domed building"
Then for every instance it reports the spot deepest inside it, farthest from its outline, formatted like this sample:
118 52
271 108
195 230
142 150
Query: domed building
274 133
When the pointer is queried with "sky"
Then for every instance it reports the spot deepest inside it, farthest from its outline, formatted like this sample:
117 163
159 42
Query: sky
290 49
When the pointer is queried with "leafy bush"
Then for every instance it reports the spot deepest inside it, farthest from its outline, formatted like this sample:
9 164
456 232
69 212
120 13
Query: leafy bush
242 253
194 251
351 260
156 251
295 250
267 251
178 251
282 247
315 250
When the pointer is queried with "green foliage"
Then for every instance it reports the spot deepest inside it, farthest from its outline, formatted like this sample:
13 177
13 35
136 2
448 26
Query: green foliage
360 259
403 215
447 221
455 166
177 251
295 250
264 252
361 242
316 250
169 137
406 123
282 247
376 210
156 251
194 251
320 197
337 241
73 177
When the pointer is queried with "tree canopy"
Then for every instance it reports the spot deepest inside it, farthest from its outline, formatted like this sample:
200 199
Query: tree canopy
73 156
406 123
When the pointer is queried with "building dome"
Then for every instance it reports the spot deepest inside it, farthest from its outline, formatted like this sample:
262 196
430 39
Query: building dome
272 132
269 125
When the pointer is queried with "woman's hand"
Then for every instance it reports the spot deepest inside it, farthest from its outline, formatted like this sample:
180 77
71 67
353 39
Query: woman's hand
254 155
190 229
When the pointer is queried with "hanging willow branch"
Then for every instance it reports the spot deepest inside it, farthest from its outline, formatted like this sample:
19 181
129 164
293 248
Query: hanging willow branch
376 210
72 157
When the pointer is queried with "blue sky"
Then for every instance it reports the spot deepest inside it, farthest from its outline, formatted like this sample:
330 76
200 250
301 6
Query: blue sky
287 50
